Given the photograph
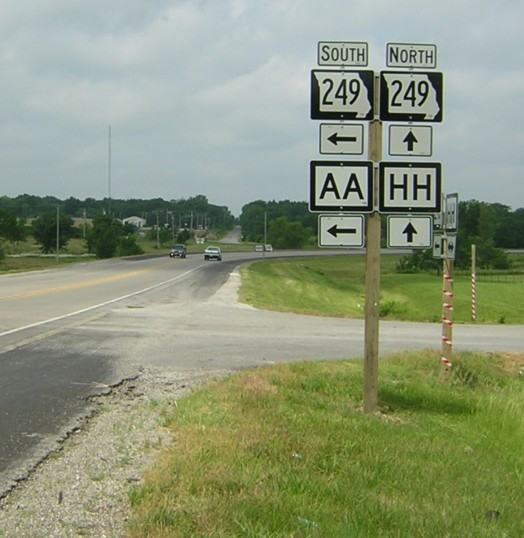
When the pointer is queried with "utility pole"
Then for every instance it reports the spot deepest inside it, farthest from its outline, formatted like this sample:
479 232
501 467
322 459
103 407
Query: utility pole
109 171
157 230
57 233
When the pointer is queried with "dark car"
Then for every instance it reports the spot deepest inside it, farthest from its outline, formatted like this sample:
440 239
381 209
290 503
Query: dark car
178 251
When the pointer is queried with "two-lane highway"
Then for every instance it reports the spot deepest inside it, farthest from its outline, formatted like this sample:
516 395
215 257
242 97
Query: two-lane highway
70 333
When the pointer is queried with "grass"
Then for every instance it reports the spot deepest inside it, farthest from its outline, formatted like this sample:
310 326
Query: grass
334 286
286 452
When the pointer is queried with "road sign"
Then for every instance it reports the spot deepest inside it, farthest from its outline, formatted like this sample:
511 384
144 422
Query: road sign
352 53
342 95
410 140
410 96
341 186
341 231
444 245
409 187
451 213
411 55
342 138
410 232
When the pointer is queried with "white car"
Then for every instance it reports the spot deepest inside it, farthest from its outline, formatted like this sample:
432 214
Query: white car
268 248
213 253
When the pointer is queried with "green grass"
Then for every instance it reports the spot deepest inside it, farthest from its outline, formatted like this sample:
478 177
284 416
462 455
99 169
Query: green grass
286 452
334 286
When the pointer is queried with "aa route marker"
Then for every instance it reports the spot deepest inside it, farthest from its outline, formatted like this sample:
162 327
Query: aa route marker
410 140
342 95
341 231
341 186
409 231
411 55
410 96
342 138
342 53
409 187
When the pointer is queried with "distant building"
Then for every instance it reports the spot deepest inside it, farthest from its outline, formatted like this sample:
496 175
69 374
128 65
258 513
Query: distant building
139 222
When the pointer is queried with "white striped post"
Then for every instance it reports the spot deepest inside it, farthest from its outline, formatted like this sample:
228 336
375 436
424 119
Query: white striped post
447 310
473 282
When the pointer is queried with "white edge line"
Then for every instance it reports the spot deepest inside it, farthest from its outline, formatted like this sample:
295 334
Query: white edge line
99 305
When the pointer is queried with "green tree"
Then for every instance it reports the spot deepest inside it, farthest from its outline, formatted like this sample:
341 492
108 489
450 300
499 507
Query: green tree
104 236
44 231
11 228
285 234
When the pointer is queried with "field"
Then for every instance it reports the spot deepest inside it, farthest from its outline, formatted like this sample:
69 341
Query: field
334 286
286 452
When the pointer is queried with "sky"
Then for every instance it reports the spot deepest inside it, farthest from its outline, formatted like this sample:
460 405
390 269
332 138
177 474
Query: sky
212 96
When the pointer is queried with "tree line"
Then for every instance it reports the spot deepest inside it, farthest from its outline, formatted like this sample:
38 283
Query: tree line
181 211
493 227
50 221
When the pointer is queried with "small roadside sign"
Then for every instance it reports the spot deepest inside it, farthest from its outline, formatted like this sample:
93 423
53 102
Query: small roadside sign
342 138
342 95
409 232
341 186
411 55
410 140
444 245
342 53
452 212
411 96
341 231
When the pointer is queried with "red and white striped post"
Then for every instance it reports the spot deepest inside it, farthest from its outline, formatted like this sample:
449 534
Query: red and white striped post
447 309
473 282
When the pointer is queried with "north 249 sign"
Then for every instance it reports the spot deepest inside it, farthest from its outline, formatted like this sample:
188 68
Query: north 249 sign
411 96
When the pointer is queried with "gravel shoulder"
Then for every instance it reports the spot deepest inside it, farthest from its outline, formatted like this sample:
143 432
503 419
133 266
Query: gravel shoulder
82 488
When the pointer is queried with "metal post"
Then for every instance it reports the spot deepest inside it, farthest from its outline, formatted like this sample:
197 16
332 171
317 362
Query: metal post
473 282
265 232
157 231
372 307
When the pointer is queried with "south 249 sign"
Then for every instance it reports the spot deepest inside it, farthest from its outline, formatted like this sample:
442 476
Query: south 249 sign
342 95
410 96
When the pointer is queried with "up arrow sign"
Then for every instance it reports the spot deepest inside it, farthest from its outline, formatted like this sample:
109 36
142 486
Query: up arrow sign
409 231
410 140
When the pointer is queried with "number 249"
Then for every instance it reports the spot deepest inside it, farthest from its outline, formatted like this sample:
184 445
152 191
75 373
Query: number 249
416 93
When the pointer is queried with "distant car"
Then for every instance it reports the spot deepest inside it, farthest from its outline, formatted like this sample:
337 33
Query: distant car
178 251
213 253
259 248
268 248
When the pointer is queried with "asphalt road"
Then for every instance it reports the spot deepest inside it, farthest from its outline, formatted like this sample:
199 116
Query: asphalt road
68 334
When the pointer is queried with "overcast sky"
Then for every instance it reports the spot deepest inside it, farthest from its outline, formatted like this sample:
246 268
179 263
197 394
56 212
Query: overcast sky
212 96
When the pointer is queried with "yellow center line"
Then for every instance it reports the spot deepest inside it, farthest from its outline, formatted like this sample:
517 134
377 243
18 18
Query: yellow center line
75 286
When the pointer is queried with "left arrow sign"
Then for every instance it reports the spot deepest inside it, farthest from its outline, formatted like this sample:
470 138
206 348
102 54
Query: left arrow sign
335 230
